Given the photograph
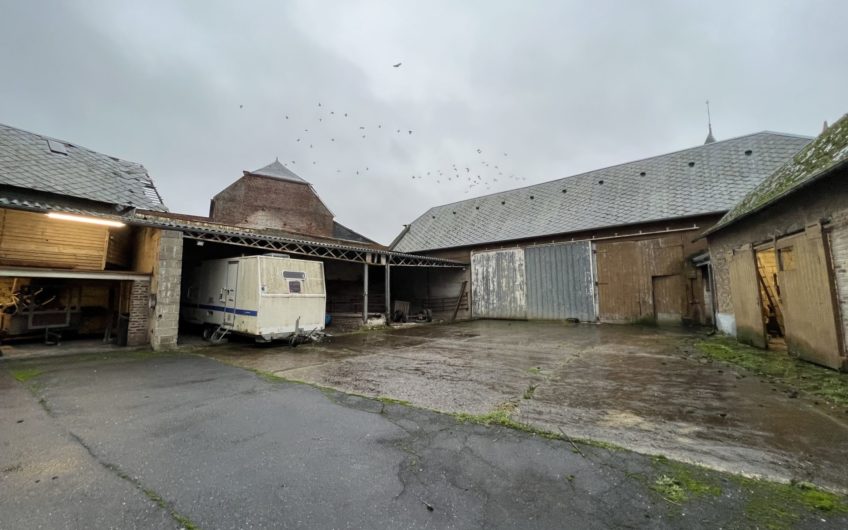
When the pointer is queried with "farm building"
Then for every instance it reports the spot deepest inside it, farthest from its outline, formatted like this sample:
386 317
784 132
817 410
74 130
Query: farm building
274 201
87 248
613 245
69 260
780 256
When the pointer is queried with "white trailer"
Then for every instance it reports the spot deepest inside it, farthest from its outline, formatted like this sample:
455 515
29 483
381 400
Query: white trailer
266 297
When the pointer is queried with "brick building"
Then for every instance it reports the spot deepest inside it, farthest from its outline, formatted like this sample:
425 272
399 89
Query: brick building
273 197
780 256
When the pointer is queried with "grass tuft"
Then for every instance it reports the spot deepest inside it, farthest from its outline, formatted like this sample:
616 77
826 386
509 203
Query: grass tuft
670 489
25 374
801 375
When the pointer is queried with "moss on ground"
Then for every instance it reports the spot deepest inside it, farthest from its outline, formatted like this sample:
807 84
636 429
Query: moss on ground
781 506
678 482
25 374
392 401
502 415
803 376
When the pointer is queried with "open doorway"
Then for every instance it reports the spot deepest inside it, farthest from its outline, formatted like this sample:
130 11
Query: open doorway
770 300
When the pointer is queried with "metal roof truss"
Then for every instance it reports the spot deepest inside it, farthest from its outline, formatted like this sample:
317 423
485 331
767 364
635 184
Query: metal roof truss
375 257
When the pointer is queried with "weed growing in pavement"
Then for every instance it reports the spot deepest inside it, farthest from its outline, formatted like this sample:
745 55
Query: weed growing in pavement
25 374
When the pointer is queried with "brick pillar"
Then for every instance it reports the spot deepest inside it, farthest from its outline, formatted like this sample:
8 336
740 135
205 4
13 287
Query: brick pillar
164 325
139 310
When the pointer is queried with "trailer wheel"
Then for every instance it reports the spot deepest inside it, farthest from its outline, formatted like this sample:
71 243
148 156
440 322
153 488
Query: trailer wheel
207 332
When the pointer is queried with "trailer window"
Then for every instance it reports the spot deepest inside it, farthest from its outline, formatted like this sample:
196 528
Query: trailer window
294 286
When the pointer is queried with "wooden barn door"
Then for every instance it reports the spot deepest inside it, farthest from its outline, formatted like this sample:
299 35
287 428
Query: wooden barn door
499 284
745 291
805 288
619 266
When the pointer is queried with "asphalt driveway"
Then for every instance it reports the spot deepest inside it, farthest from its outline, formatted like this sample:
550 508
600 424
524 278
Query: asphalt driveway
146 441
638 387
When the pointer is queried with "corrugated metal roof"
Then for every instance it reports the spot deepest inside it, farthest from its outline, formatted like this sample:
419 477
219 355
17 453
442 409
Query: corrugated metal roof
824 154
702 180
28 161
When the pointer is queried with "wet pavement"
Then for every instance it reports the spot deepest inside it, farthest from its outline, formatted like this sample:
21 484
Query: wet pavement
638 387
135 440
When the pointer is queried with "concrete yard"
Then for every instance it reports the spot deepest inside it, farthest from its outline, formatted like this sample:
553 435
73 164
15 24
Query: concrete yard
643 388
142 440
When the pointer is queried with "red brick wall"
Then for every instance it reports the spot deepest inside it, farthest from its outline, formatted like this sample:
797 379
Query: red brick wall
264 202
139 310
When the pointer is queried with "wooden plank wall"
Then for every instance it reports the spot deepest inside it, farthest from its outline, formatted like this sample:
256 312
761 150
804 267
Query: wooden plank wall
750 328
808 307
120 251
626 272
34 240
838 242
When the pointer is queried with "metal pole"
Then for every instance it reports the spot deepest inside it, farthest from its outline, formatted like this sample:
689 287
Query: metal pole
388 294
365 294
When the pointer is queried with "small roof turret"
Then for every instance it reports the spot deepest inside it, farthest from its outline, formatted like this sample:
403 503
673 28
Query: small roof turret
710 138
278 171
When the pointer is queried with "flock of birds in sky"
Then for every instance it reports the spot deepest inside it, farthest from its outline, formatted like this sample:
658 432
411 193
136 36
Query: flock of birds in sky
324 127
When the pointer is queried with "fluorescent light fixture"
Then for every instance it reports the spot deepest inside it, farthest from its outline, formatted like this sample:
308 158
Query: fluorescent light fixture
81 219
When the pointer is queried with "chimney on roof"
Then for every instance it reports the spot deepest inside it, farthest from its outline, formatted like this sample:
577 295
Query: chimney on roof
710 138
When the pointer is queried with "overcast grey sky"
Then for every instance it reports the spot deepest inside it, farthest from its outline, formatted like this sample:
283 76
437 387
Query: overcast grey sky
199 91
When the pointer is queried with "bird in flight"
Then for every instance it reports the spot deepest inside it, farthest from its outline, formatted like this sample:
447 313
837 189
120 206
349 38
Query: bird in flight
397 65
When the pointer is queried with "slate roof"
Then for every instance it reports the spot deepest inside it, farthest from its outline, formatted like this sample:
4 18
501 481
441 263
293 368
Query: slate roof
36 162
278 171
820 157
340 231
701 180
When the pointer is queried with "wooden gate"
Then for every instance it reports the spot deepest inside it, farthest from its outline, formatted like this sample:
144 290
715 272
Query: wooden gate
745 292
808 305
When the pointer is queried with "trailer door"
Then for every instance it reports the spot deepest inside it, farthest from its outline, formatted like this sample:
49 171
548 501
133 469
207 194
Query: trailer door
230 293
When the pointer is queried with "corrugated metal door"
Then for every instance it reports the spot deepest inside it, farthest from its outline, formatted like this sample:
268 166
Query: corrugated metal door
560 282
808 309
745 291
498 284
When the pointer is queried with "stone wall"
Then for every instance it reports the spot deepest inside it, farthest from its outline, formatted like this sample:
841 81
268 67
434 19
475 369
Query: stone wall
164 325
